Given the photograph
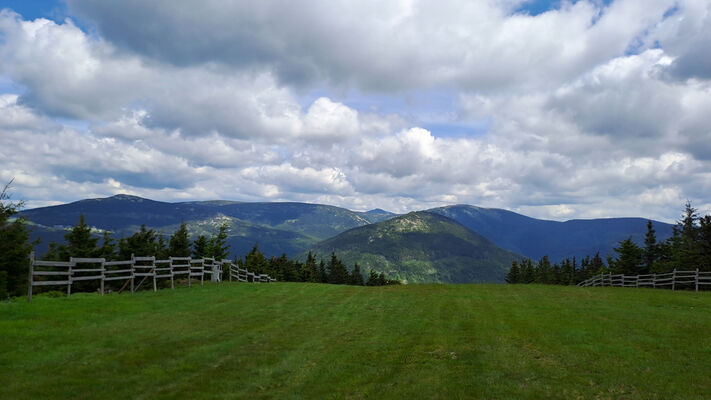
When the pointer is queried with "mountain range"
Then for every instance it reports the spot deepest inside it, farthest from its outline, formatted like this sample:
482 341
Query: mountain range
294 228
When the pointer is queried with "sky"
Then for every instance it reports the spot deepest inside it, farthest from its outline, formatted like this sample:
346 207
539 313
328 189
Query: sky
554 109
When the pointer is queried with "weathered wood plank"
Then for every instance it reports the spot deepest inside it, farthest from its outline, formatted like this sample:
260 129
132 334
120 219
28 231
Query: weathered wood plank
38 273
87 260
86 278
50 283
40 263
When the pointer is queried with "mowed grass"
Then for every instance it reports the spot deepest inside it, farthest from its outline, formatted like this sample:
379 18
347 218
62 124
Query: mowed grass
291 340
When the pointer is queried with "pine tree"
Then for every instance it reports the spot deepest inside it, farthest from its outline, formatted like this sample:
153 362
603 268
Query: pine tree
373 279
201 247
140 244
310 269
688 251
629 258
337 272
179 243
528 272
108 248
514 273
255 261
651 250
544 271
322 273
705 243
356 278
567 272
161 249
219 249
597 265
15 248
80 242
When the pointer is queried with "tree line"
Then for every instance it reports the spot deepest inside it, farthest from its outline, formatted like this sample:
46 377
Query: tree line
688 248
332 271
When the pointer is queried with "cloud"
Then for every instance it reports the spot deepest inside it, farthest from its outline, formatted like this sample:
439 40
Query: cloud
587 110
380 47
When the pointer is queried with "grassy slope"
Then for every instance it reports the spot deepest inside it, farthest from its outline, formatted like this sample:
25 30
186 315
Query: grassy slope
289 340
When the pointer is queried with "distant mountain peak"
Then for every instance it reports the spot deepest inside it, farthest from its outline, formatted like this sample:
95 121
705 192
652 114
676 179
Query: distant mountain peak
124 197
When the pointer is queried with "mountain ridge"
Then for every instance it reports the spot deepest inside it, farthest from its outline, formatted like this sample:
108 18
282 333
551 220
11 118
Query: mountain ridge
421 247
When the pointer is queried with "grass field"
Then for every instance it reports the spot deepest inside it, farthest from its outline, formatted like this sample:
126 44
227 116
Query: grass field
290 340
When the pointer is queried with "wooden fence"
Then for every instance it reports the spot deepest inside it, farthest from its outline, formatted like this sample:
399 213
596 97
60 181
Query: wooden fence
242 275
673 280
65 273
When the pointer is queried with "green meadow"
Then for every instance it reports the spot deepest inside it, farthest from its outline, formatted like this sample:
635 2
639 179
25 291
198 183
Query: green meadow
296 340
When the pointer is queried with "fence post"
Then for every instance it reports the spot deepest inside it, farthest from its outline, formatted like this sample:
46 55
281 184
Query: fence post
103 276
32 270
654 281
697 279
674 279
69 280
133 271
172 285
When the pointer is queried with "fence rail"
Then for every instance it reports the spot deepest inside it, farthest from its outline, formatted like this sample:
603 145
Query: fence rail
65 273
671 280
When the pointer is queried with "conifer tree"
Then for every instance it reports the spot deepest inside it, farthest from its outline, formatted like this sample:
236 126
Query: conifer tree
15 248
140 244
322 273
651 250
80 242
382 280
514 273
373 279
255 261
108 247
688 251
528 273
705 243
337 272
161 249
629 258
356 278
179 243
219 249
201 247
544 271
310 269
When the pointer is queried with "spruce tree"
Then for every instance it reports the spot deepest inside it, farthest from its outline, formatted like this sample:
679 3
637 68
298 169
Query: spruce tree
356 278
201 247
322 273
514 274
108 247
372 279
219 249
161 249
179 243
15 248
255 261
80 242
629 258
140 244
651 250
528 272
544 271
688 251
310 269
337 272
